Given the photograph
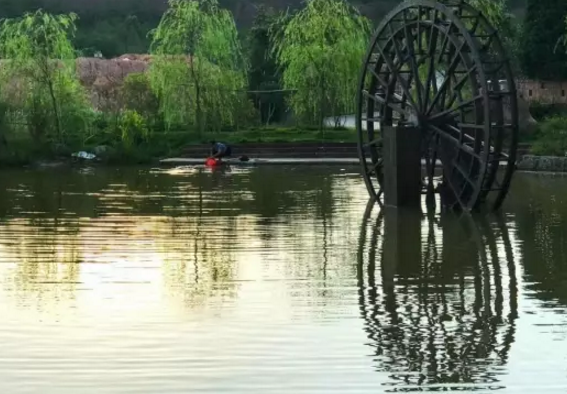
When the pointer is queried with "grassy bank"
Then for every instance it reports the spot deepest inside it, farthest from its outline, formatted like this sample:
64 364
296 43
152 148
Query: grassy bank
550 136
24 151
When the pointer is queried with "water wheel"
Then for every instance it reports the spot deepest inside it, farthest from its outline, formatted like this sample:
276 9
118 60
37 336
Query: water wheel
443 69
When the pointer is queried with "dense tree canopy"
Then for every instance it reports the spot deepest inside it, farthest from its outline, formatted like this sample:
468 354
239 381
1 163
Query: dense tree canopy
264 76
110 26
115 27
509 26
543 26
320 51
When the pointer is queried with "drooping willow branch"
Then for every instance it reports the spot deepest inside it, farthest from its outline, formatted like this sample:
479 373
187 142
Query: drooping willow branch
196 45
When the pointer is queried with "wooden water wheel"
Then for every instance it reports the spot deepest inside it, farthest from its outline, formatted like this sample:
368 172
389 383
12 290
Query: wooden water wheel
443 69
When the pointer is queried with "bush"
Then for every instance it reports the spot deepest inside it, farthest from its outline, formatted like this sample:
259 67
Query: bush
245 114
133 128
551 137
137 95
540 111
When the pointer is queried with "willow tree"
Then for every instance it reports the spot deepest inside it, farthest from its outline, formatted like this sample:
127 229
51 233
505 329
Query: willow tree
320 51
198 67
38 73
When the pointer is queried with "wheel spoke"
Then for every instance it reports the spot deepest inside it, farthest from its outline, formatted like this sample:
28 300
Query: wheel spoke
394 70
374 142
459 129
471 138
375 168
463 173
444 44
450 113
471 126
419 40
385 102
456 142
431 75
447 79
458 86
378 77
414 67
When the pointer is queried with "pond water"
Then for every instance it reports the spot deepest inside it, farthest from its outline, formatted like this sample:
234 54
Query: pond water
273 280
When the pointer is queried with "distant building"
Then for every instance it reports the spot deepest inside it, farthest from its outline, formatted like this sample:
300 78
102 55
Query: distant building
552 92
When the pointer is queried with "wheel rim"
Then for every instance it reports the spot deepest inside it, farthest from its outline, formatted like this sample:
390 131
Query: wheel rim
437 67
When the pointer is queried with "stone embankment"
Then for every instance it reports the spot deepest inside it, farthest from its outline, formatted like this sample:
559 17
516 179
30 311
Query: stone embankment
542 163
294 150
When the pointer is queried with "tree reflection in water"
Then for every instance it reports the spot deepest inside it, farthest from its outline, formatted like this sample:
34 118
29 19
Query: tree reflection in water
438 295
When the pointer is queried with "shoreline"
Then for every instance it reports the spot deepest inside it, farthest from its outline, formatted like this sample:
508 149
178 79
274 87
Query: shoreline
274 161
531 165
264 153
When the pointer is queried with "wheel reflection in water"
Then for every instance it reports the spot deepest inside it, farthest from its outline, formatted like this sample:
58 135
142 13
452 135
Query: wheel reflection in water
438 295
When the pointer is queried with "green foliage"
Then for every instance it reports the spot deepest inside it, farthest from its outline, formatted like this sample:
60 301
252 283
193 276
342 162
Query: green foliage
102 25
137 95
263 68
551 137
496 12
38 76
196 48
264 74
509 28
541 111
133 128
543 25
105 25
114 35
320 51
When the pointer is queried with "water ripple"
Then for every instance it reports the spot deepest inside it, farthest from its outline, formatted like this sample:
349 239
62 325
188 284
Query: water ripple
272 280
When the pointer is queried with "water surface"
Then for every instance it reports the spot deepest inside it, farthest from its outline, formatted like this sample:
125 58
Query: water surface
273 280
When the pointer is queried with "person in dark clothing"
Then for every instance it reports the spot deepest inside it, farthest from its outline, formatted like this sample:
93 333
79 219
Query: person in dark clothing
220 150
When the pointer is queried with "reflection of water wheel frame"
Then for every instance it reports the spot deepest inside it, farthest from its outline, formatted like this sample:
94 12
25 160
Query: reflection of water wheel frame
437 330
443 69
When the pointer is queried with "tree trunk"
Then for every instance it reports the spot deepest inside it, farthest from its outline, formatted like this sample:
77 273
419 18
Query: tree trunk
271 112
321 106
199 114
55 107
3 142
198 111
